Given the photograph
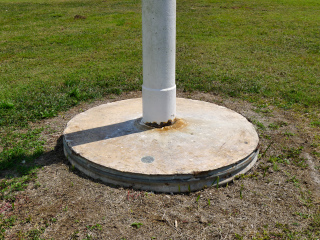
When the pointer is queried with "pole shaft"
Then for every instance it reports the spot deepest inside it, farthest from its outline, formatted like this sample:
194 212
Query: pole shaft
159 47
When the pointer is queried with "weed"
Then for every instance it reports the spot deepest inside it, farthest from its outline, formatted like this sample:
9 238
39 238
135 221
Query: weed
294 155
6 223
262 109
291 155
217 186
287 233
8 187
292 179
88 237
315 124
273 126
315 153
93 227
28 219
275 167
266 136
74 235
259 125
246 176
136 225
238 237
289 134
279 159
37 185
277 125
304 216
72 168
265 151
294 152
274 161
34 234
19 148
241 190
265 169
315 224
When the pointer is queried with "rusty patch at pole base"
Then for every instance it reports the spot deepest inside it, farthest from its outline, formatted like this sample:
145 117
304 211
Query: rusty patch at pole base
176 125
162 124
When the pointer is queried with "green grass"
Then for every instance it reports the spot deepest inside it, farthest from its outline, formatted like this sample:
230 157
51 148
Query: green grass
136 225
258 50
262 51
6 223
20 148
51 61
290 156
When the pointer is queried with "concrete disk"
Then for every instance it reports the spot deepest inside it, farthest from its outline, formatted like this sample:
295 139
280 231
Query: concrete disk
208 145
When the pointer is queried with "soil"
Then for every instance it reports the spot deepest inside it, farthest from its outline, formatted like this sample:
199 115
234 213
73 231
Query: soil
275 201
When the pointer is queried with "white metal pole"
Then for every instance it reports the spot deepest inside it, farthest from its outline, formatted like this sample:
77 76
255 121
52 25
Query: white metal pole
159 48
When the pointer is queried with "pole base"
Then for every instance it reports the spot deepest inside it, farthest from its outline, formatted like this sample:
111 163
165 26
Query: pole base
159 106
208 145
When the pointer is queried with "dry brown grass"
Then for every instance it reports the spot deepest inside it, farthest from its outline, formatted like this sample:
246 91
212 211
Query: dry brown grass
272 201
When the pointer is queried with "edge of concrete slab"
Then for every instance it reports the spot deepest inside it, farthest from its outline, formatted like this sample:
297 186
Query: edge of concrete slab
177 183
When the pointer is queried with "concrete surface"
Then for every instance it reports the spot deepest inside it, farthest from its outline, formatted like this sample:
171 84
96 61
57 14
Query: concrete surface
208 144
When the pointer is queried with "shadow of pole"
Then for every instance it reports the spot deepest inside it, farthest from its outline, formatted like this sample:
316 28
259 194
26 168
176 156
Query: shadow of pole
105 132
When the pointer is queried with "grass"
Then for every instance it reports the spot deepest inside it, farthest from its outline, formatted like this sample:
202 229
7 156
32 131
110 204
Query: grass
290 156
20 148
136 225
266 52
93 227
250 49
51 61
5 223
9 186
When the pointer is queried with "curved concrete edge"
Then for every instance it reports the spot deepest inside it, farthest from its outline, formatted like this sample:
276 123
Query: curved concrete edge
177 183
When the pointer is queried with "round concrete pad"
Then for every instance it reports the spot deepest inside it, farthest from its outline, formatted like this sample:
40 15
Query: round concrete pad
208 144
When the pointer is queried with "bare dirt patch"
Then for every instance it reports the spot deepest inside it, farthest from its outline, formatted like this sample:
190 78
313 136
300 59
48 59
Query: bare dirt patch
278 199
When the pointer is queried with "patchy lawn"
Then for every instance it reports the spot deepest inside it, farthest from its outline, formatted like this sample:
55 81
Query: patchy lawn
278 199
